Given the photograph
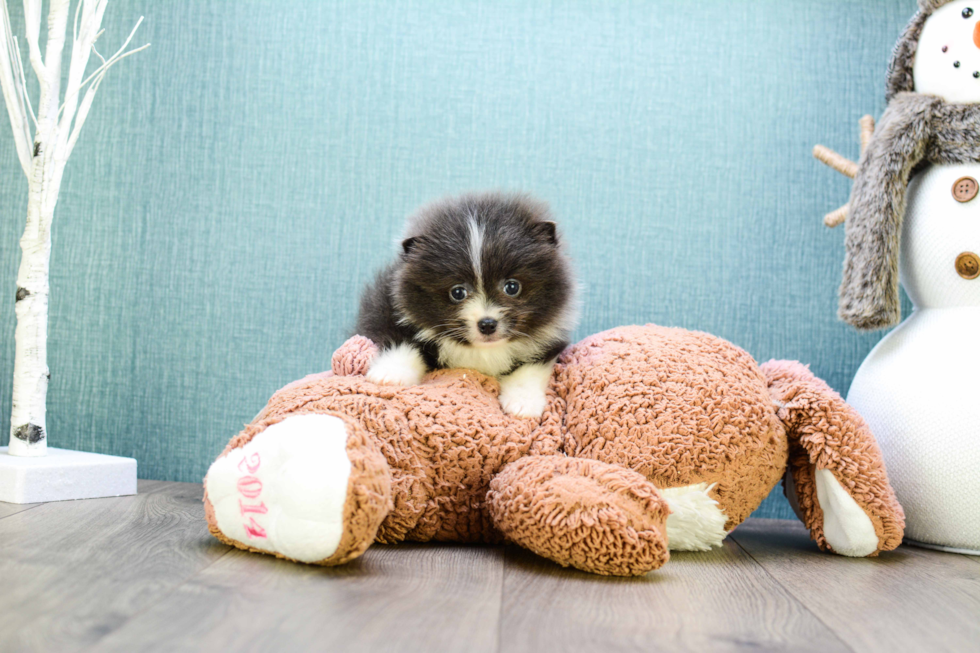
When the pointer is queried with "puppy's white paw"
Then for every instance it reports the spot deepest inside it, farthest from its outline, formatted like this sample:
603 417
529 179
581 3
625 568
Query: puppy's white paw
523 393
284 491
402 365
530 404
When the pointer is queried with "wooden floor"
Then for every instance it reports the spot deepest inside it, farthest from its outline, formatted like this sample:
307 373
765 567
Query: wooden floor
142 574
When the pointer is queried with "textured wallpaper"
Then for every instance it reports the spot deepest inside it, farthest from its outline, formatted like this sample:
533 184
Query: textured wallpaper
238 183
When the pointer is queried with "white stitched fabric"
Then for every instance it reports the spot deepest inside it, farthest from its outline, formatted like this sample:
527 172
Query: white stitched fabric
918 389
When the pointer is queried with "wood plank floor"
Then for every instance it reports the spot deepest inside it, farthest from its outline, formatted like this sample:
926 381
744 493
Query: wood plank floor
143 574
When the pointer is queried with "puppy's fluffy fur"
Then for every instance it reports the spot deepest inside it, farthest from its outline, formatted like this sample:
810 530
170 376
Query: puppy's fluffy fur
482 282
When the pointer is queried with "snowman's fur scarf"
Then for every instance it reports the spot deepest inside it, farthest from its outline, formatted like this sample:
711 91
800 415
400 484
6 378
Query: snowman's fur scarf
915 129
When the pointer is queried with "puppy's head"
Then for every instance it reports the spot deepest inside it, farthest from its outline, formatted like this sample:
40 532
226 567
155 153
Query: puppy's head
484 270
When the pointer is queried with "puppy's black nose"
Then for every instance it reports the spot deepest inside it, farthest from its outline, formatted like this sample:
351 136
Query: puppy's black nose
487 326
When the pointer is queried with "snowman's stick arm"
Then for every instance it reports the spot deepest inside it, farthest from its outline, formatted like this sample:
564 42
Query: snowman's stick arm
837 217
828 157
844 166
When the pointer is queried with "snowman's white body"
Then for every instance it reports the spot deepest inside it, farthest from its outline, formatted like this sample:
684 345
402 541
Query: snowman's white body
919 389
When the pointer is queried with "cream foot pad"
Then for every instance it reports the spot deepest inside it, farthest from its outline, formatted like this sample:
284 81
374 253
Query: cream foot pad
284 491
845 525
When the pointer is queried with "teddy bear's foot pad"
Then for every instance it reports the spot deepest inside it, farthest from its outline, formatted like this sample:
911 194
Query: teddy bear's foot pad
696 522
284 491
846 527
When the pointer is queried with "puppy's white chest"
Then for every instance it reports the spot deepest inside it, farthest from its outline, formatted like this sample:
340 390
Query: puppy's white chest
492 361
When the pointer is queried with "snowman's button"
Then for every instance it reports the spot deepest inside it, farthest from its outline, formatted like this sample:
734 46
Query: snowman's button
965 188
968 265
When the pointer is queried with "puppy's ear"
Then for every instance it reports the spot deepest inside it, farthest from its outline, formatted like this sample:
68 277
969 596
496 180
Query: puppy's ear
410 244
547 231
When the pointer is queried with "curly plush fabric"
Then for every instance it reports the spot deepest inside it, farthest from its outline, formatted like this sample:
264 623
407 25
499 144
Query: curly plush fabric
679 407
443 441
631 411
826 433
354 357
582 513
368 496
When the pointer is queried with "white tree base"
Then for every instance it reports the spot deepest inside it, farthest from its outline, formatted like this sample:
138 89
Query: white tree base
64 475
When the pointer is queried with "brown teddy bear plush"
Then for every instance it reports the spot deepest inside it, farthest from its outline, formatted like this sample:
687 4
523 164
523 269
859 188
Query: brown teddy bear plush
654 439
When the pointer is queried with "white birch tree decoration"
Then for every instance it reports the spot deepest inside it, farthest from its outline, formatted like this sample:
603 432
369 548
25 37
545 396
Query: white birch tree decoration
55 128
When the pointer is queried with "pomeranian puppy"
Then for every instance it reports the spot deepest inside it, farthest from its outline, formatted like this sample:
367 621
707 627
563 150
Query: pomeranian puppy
482 282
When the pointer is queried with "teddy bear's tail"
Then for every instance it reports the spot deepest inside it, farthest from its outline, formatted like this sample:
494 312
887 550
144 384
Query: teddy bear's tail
839 485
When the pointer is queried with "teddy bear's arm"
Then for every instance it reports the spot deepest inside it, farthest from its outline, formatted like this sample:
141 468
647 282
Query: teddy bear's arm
838 475
587 514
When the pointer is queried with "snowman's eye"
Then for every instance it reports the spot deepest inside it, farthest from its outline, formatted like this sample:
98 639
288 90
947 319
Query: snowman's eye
967 12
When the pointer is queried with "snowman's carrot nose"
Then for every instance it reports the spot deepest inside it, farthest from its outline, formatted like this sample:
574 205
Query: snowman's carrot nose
976 34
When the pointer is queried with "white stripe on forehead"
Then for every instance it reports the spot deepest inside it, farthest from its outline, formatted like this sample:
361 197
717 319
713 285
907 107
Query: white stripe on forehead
476 248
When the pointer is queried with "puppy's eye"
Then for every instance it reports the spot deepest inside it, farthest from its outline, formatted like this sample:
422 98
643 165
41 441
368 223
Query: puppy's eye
458 294
512 287
967 12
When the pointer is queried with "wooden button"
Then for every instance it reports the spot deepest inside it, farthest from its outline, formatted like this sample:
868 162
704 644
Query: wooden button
968 265
966 188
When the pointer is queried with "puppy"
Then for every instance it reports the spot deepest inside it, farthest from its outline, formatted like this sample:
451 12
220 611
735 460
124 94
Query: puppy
482 282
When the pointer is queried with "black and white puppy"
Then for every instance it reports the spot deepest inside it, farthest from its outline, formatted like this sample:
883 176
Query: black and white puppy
482 282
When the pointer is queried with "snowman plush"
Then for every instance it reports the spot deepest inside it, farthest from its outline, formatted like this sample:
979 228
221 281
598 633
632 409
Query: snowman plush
914 218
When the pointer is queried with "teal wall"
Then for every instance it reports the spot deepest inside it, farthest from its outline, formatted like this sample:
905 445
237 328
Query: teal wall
237 183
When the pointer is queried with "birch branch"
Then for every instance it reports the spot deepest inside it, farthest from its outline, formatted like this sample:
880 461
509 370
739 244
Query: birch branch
53 49
14 92
32 16
81 49
23 85
96 80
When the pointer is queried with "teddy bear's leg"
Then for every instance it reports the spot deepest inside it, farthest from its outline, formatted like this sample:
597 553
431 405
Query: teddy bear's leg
311 487
839 485
586 514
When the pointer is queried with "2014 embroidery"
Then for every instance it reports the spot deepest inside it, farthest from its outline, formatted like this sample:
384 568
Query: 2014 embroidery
250 487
